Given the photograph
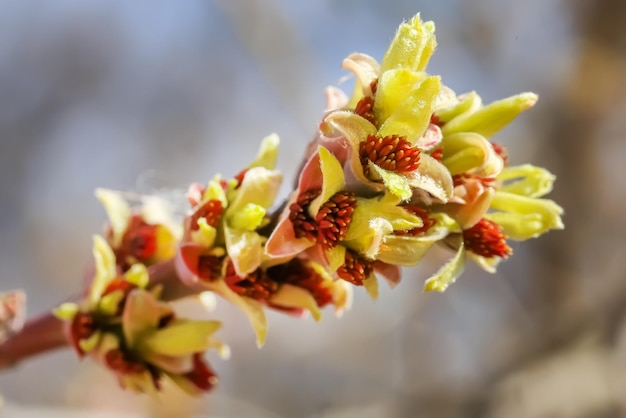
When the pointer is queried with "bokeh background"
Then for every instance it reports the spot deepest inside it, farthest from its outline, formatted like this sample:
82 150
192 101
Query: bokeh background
133 95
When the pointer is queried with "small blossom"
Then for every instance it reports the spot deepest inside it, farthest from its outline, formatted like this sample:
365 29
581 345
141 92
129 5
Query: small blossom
124 326
144 235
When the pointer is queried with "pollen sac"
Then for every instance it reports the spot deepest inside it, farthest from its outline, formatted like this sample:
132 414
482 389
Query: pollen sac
392 153
211 211
487 240
355 269
256 285
501 151
304 226
299 273
210 267
365 109
334 217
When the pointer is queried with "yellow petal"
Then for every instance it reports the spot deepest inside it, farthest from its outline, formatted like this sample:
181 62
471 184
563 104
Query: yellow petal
371 286
366 70
491 118
66 311
289 296
527 180
394 86
138 275
518 226
108 304
251 308
336 256
259 187
105 268
91 343
205 235
332 177
248 218
268 153
396 184
118 212
245 249
549 211
466 103
180 338
470 152
448 273
141 315
412 116
433 177
411 47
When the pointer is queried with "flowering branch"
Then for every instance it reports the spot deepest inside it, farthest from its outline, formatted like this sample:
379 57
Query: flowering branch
403 165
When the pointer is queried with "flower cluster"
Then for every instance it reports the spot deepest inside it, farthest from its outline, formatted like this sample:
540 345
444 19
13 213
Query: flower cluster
402 165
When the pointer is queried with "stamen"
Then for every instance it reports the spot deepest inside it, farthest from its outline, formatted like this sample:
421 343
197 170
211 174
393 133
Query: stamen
460 179
355 269
365 109
303 225
201 375
121 362
502 152
334 217
211 211
393 153
140 239
210 267
437 154
421 213
434 119
298 273
487 240
239 177
82 327
256 285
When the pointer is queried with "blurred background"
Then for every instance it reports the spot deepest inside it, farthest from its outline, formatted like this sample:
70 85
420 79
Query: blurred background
128 94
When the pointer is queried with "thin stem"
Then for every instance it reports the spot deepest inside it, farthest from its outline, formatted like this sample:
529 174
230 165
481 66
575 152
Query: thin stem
45 332
40 334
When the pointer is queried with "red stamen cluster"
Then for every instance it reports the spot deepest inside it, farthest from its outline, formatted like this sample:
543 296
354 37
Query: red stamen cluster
502 152
211 211
81 328
434 119
121 362
202 376
437 154
239 177
334 217
365 106
365 109
303 225
140 239
355 269
210 267
393 153
460 179
487 240
256 285
298 273
421 213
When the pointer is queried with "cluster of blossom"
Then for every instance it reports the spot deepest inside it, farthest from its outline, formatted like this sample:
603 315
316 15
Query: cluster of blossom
402 165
